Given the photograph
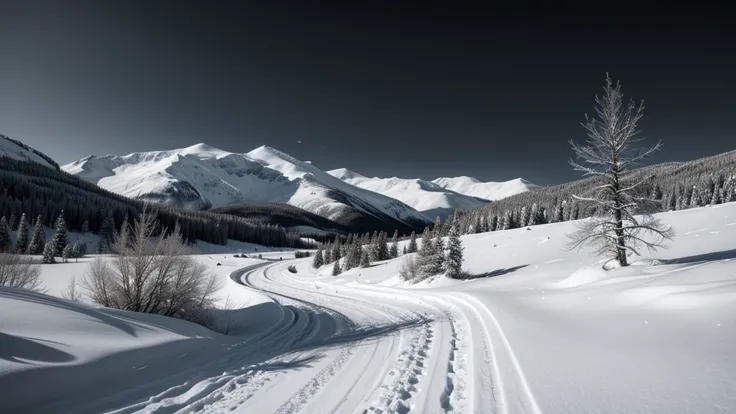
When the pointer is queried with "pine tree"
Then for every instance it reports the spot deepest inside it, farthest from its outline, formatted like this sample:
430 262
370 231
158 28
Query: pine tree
524 217
6 244
67 253
533 215
336 251
394 251
336 268
412 243
60 238
85 227
381 248
327 255
454 260
80 249
365 259
11 222
38 240
21 240
107 234
48 253
318 259
405 250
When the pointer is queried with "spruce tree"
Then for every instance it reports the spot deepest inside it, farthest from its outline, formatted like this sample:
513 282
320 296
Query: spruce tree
38 240
21 241
381 248
60 238
336 268
336 251
107 234
365 259
48 253
85 227
327 253
5 243
412 243
68 253
394 251
11 222
454 260
80 249
318 259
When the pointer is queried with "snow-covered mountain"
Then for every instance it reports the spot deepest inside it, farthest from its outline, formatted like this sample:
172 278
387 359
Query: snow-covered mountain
203 177
20 151
425 196
488 190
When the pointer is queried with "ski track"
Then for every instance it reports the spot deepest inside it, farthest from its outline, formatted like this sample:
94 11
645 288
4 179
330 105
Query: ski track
457 360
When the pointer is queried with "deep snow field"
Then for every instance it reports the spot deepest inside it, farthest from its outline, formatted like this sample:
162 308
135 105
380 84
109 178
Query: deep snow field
545 330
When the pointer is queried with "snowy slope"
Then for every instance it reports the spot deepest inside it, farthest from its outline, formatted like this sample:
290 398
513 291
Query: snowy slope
545 331
19 151
425 196
488 190
202 177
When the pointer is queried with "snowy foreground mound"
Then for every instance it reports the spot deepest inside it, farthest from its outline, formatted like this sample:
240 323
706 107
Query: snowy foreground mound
545 330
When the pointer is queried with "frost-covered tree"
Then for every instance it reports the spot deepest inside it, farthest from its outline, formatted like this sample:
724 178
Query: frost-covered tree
454 259
394 250
38 240
336 268
336 251
524 217
48 253
381 251
60 238
365 259
80 249
412 243
318 259
68 253
21 240
5 243
609 153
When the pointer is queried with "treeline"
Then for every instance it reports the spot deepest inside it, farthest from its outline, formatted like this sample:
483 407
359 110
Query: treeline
671 186
38 191
435 256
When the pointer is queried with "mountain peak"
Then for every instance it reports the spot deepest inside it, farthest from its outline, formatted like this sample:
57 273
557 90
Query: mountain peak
344 174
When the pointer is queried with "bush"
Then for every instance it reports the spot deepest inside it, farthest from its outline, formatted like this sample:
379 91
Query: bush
301 255
152 274
410 269
18 271
292 268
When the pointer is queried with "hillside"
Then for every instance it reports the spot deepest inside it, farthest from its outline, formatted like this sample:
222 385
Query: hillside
38 189
287 216
673 185
486 190
201 177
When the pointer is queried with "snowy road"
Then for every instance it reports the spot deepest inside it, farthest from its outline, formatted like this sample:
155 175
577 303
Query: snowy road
367 350
383 350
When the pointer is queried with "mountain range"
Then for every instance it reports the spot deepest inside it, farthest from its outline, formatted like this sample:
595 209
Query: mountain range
202 177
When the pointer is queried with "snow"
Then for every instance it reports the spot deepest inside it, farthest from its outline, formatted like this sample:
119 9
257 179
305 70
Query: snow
19 151
488 190
424 196
201 176
543 330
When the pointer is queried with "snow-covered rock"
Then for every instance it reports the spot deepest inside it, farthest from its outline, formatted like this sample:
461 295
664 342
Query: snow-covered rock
203 177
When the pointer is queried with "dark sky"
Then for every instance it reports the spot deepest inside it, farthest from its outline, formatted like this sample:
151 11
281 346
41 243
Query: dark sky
407 90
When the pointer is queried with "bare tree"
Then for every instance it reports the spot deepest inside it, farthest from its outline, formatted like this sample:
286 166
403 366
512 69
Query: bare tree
71 292
609 152
152 273
18 271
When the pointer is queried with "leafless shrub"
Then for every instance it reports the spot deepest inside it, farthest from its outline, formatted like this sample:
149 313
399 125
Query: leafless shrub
20 272
71 292
152 274
409 270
